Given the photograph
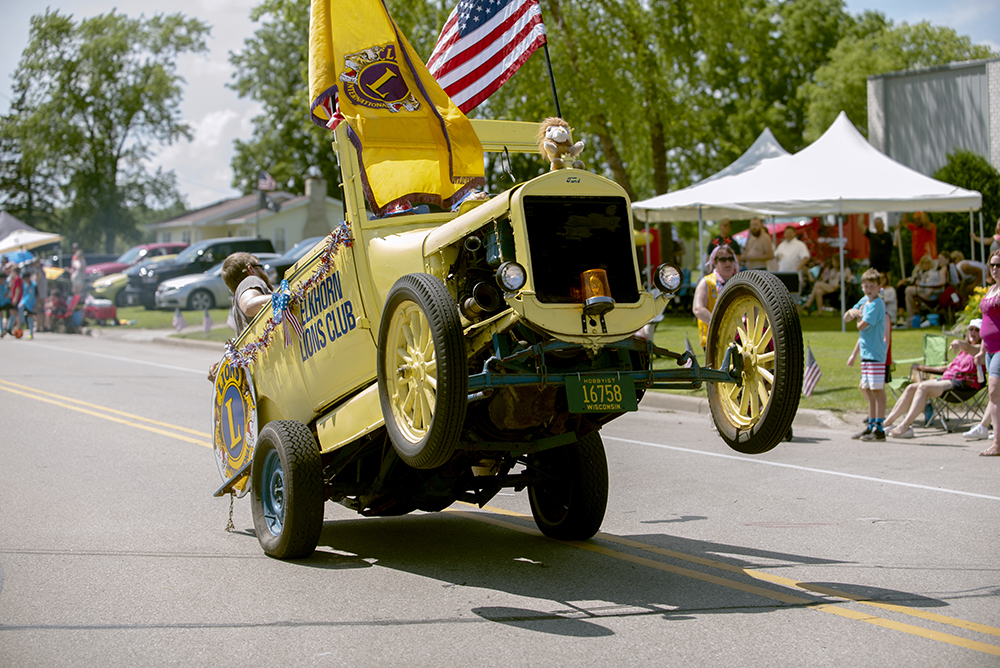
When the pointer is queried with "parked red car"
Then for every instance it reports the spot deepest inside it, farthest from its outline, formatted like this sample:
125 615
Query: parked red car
133 256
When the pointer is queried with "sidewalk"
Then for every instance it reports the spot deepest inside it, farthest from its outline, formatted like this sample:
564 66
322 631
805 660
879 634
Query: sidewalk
164 336
803 418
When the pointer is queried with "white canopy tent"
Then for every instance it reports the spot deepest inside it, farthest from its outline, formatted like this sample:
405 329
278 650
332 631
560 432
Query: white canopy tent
840 173
710 198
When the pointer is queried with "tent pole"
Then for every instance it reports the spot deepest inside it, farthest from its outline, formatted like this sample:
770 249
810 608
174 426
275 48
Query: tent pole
982 249
843 291
649 257
972 236
899 244
701 245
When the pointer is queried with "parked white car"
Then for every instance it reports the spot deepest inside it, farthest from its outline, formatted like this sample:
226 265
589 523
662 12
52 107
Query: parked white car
197 292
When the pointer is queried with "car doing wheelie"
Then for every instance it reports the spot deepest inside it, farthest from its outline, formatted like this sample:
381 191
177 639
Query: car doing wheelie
443 357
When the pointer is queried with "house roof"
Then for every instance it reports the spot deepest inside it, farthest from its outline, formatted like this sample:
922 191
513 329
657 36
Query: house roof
220 212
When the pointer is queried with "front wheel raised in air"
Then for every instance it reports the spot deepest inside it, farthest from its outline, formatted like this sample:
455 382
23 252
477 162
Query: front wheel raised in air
287 490
756 314
569 502
422 378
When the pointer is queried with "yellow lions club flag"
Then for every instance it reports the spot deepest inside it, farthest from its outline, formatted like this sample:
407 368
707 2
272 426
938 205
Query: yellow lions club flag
413 142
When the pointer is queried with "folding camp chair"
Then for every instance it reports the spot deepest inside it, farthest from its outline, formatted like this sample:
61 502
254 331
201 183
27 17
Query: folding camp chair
954 406
935 354
957 406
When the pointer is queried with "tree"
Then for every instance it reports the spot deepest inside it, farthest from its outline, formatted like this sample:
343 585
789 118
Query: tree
92 100
968 170
876 47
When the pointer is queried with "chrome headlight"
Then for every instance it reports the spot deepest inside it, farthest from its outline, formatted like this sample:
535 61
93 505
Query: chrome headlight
668 278
511 276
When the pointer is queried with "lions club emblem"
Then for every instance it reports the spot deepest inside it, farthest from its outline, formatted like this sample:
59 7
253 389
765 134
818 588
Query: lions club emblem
372 79
234 422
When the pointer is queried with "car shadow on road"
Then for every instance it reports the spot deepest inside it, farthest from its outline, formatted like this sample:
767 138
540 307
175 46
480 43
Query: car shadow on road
558 588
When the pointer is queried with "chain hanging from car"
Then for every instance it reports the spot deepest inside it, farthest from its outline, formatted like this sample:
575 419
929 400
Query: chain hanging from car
230 527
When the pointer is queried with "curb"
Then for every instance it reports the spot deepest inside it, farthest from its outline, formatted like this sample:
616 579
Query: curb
805 417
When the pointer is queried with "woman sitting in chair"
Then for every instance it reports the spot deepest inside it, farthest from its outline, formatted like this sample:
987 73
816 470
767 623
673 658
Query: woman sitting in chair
827 282
928 282
960 374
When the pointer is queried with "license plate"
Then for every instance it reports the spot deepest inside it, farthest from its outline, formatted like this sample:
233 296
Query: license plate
601 394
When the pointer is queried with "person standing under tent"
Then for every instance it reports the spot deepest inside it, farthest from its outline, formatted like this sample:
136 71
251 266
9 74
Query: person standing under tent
792 254
924 240
880 243
759 248
725 238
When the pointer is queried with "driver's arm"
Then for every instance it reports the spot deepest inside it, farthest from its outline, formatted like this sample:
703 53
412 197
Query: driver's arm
252 301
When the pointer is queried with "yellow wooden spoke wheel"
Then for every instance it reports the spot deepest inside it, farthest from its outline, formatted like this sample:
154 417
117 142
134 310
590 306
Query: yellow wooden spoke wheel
755 317
423 383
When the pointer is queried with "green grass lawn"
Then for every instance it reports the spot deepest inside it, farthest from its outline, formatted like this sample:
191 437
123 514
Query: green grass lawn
838 389
140 318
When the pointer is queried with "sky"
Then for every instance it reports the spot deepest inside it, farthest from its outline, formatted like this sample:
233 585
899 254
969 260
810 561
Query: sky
217 116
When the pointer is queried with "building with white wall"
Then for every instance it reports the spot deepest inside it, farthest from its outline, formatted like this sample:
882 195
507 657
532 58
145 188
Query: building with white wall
918 117
297 218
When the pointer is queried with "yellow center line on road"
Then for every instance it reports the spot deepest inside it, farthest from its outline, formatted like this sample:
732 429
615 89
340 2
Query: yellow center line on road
106 413
760 591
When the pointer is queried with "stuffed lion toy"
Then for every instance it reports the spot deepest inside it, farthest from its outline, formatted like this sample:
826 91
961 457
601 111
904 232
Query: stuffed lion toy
555 142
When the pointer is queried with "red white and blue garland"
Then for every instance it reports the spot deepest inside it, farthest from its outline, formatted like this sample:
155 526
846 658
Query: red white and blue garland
285 298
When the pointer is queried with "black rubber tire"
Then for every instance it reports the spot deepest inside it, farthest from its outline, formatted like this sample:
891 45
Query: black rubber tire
421 305
121 300
199 300
572 503
746 422
301 495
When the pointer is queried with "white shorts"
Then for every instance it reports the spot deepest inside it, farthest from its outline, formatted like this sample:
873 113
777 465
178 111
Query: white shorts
872 375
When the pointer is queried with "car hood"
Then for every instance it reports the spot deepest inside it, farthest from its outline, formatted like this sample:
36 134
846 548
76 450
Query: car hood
181 281
168 265
106 268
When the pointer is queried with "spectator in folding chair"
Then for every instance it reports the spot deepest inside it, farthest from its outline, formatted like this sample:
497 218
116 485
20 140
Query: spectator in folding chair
928 284
959 374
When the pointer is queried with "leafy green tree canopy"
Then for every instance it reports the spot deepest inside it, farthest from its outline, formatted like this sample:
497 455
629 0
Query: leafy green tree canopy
92 101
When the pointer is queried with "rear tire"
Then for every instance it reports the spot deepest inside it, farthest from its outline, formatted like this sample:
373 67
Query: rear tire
287 494
571 503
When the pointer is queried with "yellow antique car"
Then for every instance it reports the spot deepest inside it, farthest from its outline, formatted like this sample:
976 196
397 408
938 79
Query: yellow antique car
446 356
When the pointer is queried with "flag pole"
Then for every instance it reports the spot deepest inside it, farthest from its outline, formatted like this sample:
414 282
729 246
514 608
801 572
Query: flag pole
552 78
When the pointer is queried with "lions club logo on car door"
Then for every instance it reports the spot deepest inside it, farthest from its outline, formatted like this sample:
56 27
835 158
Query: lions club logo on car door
234 421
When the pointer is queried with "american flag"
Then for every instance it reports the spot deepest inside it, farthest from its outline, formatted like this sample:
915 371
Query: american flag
482 44
178 321
265 181
207 322
812 375
282 314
